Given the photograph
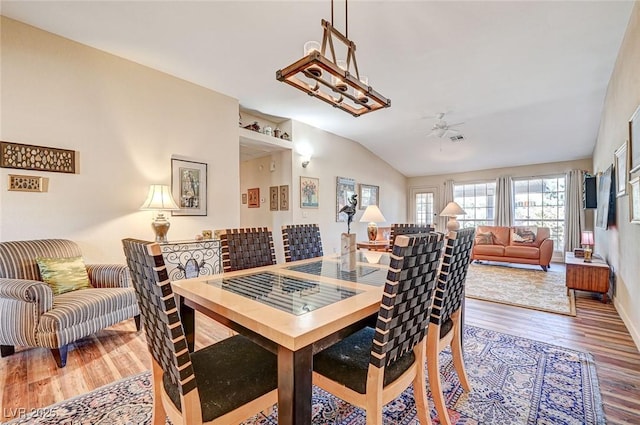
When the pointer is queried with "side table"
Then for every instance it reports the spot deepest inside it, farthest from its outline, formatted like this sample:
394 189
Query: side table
374 245
593 276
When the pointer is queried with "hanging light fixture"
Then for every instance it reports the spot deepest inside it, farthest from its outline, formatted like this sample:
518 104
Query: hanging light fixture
331 80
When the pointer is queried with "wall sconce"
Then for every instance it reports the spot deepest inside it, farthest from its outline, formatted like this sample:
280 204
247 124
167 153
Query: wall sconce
305 160
159 199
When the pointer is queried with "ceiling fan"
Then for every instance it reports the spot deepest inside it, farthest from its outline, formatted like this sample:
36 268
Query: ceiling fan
441 128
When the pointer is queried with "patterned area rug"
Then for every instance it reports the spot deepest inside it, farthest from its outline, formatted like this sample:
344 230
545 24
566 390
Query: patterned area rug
514 381
522 287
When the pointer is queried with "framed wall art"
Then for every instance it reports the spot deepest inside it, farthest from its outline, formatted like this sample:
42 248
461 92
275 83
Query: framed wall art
254 197
42 158
634 200
634 140
345 187
605 213
368 196
189 187
284 197
273 198
20 183
309 192
621 161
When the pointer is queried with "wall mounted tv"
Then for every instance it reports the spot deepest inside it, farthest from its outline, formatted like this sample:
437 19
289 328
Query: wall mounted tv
606 211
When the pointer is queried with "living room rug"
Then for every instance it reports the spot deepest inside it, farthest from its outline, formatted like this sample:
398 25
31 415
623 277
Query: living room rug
514 381
522 287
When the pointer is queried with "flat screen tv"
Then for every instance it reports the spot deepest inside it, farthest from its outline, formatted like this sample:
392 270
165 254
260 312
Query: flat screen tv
606 212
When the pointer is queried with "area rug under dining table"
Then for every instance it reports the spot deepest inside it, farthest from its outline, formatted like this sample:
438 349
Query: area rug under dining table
522 286
514 381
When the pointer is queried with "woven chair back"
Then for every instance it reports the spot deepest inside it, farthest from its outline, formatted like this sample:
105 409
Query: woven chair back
165 336
246 248
408 295
453 274
301 241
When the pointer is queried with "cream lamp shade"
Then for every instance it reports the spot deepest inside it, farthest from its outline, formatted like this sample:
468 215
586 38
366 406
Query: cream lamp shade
452 210
159 199
372 215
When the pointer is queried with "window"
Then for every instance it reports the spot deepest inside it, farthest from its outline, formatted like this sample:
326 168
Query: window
477 200
424 207
539 201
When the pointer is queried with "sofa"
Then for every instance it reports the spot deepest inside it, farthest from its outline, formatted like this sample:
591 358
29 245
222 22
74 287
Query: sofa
36 314
516 244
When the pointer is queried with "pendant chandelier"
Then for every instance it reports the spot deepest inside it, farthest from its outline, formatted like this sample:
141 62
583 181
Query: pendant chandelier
337 82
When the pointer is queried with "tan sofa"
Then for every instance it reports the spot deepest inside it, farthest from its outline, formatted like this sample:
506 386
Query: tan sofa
517 244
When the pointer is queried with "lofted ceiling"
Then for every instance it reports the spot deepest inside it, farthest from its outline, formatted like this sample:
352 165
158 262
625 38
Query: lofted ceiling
527 78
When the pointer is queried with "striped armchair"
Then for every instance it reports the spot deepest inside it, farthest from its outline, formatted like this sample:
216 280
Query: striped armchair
31 315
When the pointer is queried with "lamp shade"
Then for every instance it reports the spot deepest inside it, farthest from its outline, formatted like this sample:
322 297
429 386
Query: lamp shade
159 198
587 238
372 215
451 210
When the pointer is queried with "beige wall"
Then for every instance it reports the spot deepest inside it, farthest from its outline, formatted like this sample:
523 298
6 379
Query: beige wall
333 156
437 182
620 244
125 121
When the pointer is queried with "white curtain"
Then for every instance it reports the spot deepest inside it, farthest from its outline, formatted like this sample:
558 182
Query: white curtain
504 201
573 212
447 197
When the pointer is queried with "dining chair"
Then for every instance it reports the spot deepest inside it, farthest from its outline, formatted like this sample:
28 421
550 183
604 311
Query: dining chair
224 383
301 241
445 327
246 248
408 229
374 366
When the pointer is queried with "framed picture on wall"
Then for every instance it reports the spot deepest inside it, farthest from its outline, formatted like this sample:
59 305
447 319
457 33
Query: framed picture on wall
622 171
345 188
634 200
634 140
189 187
368 196
309 192
254 197
273 198
284 197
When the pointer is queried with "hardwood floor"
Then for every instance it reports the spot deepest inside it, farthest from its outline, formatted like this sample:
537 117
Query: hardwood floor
30 379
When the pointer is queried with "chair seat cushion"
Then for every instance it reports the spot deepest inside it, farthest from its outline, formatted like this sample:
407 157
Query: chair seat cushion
229 374
76 307
347 361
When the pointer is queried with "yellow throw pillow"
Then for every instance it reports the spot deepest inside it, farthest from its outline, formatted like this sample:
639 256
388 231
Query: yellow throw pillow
64 274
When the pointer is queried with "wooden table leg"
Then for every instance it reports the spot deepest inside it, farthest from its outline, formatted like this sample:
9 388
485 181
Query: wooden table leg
294 386
188 319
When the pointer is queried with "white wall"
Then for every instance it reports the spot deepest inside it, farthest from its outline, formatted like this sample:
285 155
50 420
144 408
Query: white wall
125 121
620 244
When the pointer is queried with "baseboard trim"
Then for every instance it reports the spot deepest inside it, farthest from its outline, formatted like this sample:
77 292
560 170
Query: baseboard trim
635 334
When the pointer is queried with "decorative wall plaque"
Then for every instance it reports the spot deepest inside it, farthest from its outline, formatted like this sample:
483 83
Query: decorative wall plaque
42 158
28 183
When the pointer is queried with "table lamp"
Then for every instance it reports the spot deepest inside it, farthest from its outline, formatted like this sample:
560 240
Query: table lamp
372 215
587 239
159 199
452 210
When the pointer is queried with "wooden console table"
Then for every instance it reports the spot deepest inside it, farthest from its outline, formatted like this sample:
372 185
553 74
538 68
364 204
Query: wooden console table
374 245
593 276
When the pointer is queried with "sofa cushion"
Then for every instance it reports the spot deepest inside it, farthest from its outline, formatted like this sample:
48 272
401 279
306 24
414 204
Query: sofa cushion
500 234
492 250
76 307
484 238
521 251
64 274
524 235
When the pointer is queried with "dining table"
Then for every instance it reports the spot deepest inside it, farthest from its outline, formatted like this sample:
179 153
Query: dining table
293 309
